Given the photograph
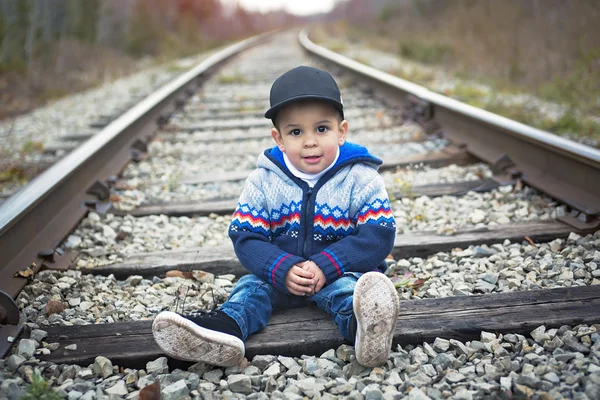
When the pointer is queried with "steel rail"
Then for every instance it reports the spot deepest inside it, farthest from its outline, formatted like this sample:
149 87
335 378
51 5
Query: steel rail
42 213
563 169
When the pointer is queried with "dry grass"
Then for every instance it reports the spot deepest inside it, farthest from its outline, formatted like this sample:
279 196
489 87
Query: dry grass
548 48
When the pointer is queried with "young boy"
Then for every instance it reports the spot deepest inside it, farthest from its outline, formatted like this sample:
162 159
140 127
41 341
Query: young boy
313 225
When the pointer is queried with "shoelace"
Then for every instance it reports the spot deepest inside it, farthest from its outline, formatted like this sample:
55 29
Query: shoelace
211 313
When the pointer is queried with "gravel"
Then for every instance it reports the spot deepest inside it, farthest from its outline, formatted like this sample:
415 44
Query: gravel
438 80
559 363
549 362
47 126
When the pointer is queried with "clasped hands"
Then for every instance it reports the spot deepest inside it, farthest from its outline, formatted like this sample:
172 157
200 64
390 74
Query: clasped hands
305 279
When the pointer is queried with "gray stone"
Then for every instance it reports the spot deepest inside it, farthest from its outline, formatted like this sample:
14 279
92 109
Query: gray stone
71 347
428 370
480 252
85 373
52 346
273 370
531 381
287 362
12 388
490 277
417 394
564 357
455 377
345 352
175 391
441 345
539 334
239 383
145 380
27 348
102 367
206 387
294 371
213 376
551 377
74 395
574 344
402 361
119 388
38 335
344 388
461 348
418 356
263 361
484 287
419 379
251 370
464 394
506 382
487 337
158 366
200 368
443 360
372 392
89 395
310 366
393 379
310 386
14 362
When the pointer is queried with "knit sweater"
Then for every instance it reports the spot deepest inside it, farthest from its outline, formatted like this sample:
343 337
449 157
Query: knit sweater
344 223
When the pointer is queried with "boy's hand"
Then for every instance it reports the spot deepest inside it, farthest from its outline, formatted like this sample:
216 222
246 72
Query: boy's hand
319 276
299 281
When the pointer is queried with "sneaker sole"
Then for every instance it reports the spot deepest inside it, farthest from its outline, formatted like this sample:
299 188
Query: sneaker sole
376 307
180 338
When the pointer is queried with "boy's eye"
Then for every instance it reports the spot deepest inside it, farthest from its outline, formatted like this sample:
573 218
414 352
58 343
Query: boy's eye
322 129
295 132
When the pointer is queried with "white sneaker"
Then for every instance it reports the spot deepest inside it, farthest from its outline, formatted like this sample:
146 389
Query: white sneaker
184 338
376 307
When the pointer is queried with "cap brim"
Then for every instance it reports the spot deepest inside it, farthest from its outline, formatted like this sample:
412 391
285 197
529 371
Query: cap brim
272 112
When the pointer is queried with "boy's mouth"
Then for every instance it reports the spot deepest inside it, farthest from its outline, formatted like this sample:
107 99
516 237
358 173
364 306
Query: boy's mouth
312 159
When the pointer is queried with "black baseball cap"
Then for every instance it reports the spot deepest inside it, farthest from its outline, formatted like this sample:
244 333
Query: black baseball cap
304 83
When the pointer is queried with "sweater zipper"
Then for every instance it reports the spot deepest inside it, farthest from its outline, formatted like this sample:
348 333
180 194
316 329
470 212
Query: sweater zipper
306 224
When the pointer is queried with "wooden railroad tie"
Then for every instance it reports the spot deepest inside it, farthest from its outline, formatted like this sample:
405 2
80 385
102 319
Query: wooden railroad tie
310 331
221 260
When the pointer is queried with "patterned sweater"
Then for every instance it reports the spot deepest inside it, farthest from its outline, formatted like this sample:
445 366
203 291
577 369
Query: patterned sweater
344 223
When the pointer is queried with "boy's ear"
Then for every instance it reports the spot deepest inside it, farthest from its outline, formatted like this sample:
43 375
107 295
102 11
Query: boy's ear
343 132
278 139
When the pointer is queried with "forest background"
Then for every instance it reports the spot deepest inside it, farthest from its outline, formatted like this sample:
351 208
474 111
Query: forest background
550 48
50 48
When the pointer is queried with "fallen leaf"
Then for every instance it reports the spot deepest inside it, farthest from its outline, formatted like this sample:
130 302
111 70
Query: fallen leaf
150 392
55 307
27 273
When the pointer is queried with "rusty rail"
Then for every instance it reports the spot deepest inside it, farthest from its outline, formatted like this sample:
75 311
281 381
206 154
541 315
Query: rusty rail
561 168
36 219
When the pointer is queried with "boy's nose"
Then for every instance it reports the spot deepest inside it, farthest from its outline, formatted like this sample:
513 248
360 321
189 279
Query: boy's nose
310 141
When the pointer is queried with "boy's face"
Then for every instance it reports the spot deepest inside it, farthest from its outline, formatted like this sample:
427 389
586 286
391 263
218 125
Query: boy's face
309 133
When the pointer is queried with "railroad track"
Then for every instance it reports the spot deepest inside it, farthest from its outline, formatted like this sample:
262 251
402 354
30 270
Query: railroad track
497 221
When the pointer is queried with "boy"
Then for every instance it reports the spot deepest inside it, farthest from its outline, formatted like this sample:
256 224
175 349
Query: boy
313 225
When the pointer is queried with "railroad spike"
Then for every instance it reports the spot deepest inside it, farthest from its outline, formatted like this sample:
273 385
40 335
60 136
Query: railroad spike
47 254
9 311
100 190
140 145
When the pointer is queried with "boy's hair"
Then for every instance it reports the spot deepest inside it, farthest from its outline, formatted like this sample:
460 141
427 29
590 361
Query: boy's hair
304 83
338 114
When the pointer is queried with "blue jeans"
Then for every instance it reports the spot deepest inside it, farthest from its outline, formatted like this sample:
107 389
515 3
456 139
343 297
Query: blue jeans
252 301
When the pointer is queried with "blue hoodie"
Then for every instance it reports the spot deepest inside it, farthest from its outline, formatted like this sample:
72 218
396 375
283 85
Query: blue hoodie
344 223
